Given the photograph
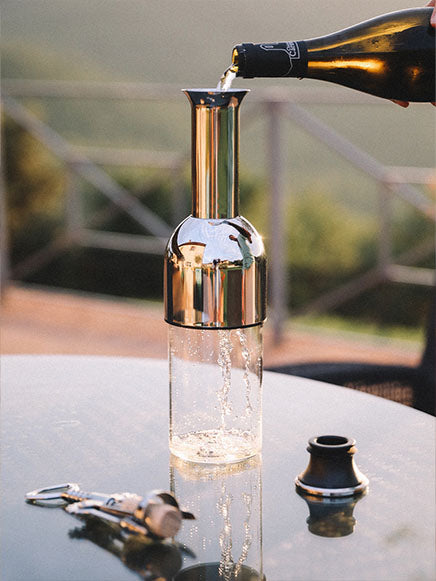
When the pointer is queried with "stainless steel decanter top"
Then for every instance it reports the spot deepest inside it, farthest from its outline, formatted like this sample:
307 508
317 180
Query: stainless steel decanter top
215 272
215 262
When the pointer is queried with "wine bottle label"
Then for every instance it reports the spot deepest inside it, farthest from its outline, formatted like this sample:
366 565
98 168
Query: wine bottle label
291 49
274 59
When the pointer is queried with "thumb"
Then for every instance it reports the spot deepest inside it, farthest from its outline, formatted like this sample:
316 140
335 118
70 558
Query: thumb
433 15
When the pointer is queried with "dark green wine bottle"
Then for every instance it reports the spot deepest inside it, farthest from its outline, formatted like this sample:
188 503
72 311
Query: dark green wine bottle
391 56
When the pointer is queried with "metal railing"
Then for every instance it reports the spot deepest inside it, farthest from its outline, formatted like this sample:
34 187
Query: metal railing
278 105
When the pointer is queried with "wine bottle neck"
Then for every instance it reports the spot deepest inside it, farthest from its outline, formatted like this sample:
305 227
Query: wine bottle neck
275 59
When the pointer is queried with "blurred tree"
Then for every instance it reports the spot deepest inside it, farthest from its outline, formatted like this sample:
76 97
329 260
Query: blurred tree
34 182
326 237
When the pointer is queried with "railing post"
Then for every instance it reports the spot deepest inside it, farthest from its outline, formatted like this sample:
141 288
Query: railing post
180 203
385 233
277 270
73 206
4 243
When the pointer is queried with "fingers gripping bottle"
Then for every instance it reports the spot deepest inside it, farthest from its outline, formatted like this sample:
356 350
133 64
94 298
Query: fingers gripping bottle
215 271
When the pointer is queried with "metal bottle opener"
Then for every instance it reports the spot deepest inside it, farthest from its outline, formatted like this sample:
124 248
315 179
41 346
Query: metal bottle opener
157 514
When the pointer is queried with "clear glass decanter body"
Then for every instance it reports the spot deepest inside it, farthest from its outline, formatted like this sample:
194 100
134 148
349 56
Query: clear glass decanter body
215 270
215 393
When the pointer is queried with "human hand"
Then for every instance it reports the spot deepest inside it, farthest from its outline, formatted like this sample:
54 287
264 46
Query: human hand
433 15
433 23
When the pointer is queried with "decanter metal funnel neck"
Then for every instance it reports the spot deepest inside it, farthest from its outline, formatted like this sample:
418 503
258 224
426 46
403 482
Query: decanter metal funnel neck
215 266
215 152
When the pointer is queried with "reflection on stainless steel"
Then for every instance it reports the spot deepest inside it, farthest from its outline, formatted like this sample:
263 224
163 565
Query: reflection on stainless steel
332 471
215 267
215 274
228 531
331 517
209 280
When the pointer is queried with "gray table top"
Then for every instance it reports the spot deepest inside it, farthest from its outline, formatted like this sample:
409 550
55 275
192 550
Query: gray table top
103 422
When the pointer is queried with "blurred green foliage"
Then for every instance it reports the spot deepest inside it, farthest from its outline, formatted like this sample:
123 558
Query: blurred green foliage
327 237
35 182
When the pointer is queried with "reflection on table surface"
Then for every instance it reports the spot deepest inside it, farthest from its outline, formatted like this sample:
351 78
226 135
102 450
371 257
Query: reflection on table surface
227 503
149 558
104 423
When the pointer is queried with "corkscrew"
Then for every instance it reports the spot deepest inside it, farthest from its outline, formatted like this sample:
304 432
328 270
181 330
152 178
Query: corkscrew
157 514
